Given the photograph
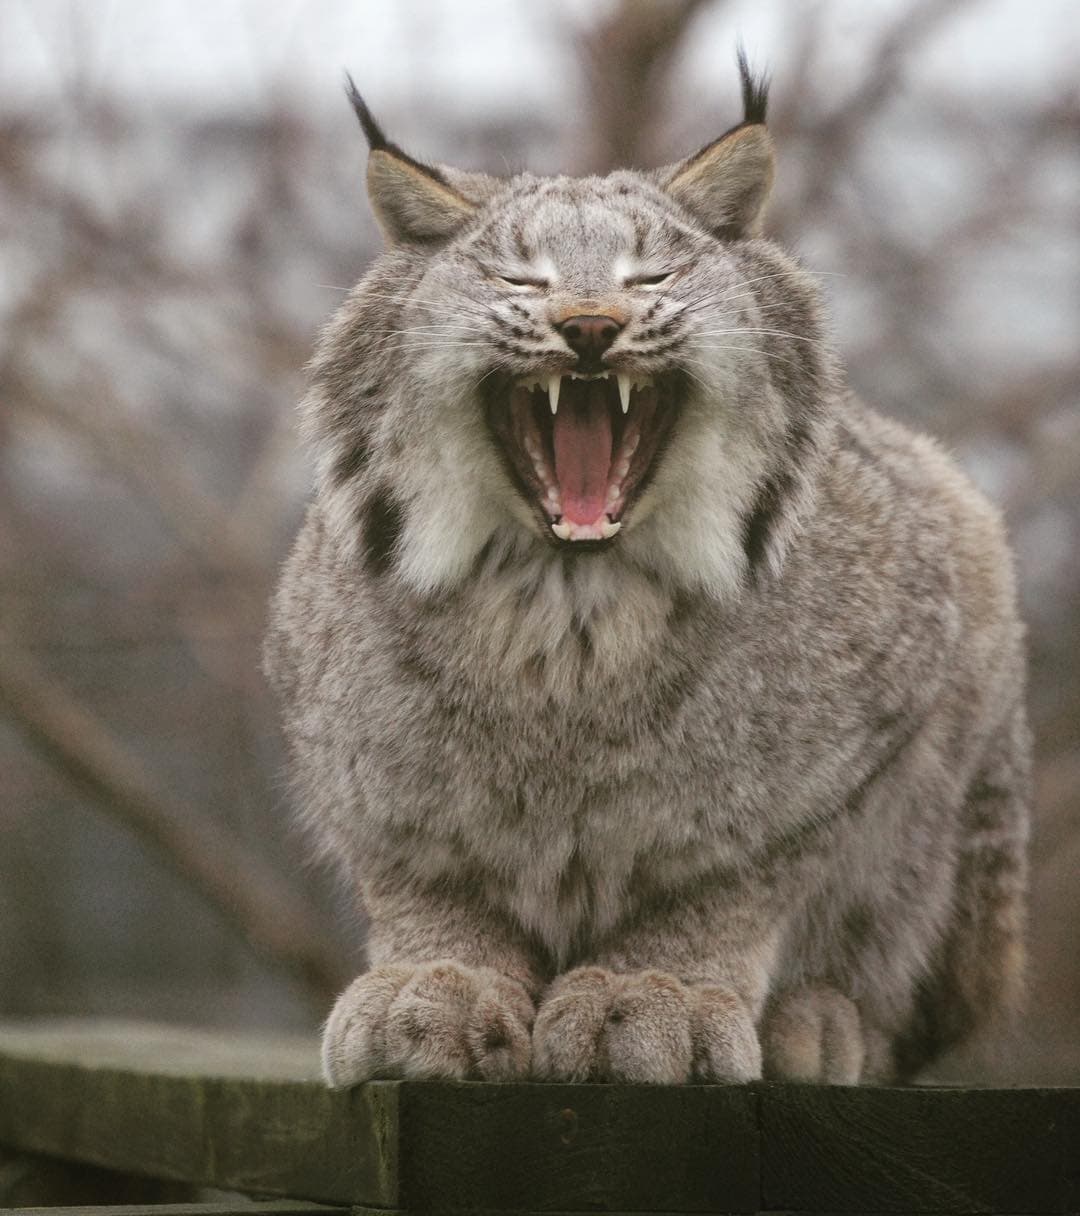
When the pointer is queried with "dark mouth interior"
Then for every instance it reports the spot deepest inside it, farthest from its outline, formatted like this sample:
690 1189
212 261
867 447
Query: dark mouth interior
586 462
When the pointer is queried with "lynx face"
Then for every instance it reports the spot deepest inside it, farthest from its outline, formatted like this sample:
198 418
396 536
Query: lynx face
595 296
601 365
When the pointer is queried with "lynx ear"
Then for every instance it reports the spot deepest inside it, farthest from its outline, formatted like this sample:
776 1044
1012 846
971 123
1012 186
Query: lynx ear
727 183
414 203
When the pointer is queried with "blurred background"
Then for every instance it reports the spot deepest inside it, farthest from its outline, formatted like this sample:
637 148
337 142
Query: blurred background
181 205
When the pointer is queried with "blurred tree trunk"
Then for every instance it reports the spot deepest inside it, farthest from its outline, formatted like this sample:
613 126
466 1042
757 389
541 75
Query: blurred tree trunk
626 59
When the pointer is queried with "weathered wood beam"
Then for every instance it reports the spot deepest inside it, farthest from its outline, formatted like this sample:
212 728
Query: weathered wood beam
246 1114
273 1207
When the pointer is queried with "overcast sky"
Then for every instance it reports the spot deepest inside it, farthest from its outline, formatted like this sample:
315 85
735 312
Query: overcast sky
472 55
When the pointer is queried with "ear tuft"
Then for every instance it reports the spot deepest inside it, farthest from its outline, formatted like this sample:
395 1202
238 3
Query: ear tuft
373 133
755 91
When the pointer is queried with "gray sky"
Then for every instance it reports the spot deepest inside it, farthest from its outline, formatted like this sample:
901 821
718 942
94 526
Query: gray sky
471 55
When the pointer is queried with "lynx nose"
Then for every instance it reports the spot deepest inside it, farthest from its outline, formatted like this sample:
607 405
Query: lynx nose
588 337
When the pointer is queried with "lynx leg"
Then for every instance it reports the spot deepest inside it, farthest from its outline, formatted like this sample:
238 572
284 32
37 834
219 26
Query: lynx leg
976 984
813 1034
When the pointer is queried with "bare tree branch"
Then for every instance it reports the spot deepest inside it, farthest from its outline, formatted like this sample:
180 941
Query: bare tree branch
625 57
833 137
244 890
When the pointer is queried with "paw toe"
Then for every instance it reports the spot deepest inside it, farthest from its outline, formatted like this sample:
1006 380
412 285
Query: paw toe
499 1044
569 1024
814 1034
647 1031
354 1040
726 1044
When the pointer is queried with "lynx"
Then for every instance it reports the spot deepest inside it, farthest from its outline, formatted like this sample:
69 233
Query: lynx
662 703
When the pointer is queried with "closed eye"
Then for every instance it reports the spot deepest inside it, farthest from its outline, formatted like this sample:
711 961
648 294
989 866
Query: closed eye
523 284
650 280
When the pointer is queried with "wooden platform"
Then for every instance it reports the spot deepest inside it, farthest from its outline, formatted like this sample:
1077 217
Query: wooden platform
249 1115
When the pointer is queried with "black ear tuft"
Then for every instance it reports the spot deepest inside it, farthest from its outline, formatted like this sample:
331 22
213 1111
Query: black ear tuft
755 92
373 133
414 202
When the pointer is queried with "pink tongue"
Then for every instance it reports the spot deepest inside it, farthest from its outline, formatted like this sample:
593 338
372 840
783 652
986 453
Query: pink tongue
582 442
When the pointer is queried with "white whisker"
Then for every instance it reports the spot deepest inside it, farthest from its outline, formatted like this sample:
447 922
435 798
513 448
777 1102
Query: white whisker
743 350
776 333
412 302
433 329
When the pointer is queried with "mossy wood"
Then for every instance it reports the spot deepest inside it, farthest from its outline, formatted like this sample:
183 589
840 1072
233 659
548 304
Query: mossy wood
249 1114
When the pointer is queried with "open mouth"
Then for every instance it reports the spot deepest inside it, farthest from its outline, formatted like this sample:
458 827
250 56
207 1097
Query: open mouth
583 446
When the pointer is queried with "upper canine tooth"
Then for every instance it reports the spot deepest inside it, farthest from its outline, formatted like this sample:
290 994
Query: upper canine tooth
608 529
553 385
562 531
624 392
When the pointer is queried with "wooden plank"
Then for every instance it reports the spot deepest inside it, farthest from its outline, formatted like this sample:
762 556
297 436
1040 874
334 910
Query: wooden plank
1070 1121
29 1179
273 1207
155 1047
244 1114
913 1150
196 1107
543 1148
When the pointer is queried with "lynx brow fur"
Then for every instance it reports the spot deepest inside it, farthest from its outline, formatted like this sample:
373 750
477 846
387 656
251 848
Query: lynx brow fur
730 777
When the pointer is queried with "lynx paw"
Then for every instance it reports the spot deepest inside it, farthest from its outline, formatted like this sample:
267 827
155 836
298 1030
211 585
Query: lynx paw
813 1034
439 1019
596 1025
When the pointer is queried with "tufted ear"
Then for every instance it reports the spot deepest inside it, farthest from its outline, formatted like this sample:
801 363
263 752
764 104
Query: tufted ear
727 183
415 203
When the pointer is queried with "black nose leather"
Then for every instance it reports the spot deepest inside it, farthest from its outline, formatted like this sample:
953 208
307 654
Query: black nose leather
588 337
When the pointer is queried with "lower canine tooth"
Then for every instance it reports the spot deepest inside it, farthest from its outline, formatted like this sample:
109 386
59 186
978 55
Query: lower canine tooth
608 529
562 531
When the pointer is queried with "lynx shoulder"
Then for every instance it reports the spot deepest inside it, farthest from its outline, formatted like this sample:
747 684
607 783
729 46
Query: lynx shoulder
662 703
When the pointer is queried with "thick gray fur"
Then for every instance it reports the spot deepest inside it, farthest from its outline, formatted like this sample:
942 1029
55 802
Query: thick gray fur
744 791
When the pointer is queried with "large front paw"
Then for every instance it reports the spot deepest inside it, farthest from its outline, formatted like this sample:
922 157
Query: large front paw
439 1019
596 1025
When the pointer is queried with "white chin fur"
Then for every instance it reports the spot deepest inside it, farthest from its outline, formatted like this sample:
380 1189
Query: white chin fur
449 516
688 524
441 540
